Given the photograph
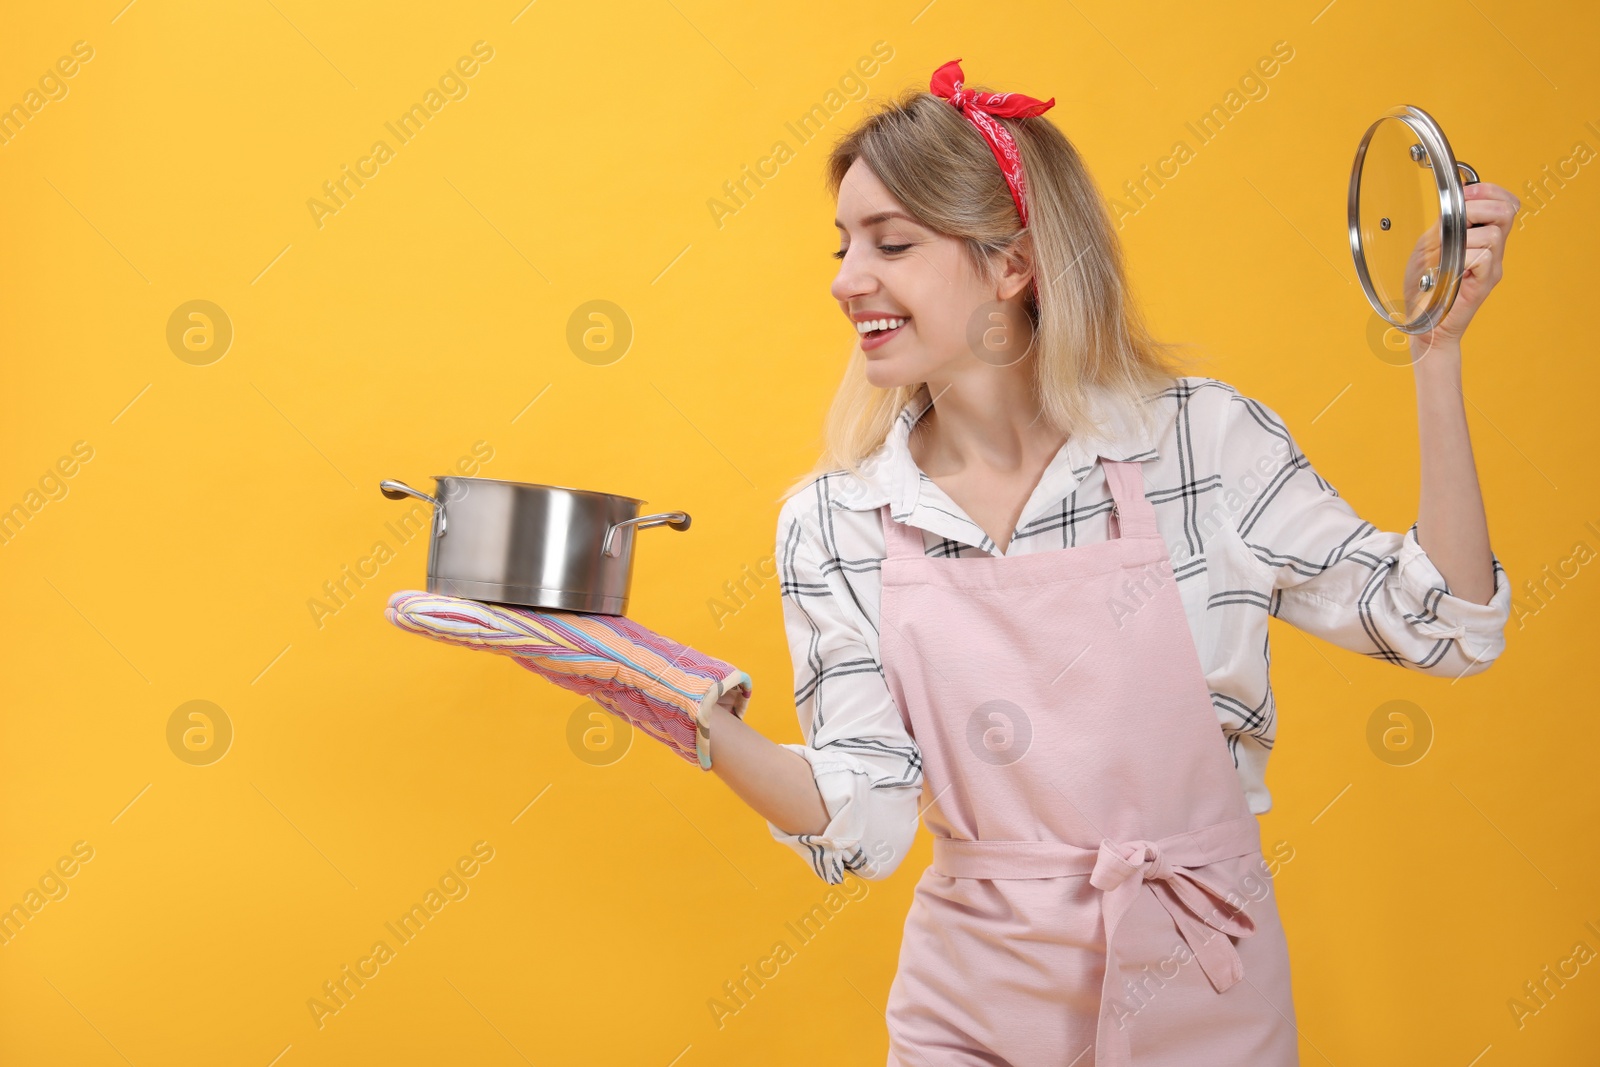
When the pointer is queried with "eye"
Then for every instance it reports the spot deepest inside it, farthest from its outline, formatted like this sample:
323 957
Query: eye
887 249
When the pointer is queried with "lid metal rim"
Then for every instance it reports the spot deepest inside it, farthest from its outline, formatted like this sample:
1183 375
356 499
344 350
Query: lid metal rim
1452 218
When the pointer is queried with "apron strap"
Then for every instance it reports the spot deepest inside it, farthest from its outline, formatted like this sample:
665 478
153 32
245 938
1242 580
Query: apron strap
1135 516
900 541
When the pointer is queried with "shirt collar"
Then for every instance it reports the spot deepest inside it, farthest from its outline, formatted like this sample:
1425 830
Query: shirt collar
890 475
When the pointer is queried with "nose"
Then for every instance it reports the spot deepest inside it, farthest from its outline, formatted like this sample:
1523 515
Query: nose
853 281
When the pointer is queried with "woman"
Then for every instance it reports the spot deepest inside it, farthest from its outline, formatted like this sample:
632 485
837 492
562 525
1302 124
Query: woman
1026 592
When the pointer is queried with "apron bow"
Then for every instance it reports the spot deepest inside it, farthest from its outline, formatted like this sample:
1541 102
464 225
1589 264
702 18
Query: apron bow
1198 906
1194 901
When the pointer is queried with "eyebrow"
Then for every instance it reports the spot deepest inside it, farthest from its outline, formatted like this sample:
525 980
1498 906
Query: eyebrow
882 216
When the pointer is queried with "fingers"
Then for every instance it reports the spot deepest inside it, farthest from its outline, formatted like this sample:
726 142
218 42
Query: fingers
1485 249
465 622
1490 210
1484 210
1490 192
433 615
1486 246
1489 235
1481 263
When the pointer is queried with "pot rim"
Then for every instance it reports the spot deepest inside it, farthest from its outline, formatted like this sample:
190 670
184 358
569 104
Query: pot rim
539 485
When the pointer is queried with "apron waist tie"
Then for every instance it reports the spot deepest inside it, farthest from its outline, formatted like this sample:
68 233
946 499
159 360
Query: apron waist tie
1169 866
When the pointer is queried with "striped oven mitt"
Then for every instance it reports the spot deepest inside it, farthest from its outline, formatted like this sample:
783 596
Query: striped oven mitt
664 688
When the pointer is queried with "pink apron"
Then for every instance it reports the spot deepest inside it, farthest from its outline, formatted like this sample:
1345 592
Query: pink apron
1097 893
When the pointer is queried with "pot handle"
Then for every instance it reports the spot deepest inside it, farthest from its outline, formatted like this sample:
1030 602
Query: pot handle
400 490
612 546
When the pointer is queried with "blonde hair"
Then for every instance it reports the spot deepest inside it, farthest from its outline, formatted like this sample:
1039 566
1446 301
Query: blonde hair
1088 328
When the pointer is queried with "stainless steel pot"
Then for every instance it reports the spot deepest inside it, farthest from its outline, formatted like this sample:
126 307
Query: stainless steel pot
536 546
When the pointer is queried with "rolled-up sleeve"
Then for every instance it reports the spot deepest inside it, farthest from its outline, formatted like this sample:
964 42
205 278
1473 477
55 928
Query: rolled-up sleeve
867 767
1338 576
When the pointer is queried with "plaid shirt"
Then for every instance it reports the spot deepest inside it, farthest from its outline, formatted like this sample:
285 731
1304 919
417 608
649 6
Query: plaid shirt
1252 530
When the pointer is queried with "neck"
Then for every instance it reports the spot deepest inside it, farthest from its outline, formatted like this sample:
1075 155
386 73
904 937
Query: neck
985 418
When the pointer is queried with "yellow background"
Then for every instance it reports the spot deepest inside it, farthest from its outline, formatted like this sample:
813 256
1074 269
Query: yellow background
430 313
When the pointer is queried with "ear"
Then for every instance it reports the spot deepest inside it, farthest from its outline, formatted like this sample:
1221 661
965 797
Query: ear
1016 268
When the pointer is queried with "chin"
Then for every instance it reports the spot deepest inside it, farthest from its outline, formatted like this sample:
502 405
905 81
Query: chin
883 377
887 372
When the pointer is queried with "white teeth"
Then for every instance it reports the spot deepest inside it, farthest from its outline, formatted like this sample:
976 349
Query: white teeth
878 324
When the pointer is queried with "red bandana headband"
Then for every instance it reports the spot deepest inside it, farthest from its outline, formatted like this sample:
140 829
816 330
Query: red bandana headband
978 108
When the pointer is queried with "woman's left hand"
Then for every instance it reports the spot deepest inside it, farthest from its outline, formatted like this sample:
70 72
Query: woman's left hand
1490 210
664 687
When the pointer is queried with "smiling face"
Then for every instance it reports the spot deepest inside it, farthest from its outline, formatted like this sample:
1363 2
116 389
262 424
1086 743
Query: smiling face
895 268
